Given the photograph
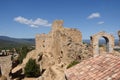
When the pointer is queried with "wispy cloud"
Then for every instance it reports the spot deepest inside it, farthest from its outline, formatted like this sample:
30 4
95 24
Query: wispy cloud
32 23
94 15
101 22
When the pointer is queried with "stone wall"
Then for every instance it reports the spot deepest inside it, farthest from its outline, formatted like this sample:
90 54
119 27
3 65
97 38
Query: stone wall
119 37
56 50
5 65
56 38
42 42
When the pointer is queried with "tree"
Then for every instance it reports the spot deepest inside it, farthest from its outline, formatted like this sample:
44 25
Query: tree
32 69
23 52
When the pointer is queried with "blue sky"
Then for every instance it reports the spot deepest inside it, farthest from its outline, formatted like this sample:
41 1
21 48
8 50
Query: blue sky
26 18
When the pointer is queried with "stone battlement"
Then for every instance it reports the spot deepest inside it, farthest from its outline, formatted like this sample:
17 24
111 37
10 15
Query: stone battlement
57 24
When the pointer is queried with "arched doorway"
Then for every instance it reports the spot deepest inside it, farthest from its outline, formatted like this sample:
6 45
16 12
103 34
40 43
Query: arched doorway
109 42
103 44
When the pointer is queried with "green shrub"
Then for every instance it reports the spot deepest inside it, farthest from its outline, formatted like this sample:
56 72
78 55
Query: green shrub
84 42
72 64
32 69
23 52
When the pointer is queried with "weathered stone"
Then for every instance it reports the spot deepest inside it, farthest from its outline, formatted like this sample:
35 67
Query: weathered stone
119 36
0 72
3 77
95 42
6 65
55 50
58 40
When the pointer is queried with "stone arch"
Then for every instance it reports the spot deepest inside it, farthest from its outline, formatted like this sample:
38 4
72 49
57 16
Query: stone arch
95 42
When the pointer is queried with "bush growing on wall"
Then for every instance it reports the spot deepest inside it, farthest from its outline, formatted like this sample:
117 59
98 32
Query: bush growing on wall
32 69
72 64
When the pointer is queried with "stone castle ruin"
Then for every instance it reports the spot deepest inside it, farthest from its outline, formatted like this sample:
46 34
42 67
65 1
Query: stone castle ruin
55 50
55 42
95 42
64 45
61 46
58 31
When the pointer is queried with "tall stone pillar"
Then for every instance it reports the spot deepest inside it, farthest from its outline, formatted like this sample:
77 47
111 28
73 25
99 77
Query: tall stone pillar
0 72
119 37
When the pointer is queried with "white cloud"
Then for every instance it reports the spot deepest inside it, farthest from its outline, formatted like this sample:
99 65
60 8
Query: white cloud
101 22
32 23
94 15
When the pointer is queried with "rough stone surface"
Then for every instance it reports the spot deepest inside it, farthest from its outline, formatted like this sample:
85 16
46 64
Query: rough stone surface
119 36
59 43
103 67
5 64
55 50
3 78
0 72
109 42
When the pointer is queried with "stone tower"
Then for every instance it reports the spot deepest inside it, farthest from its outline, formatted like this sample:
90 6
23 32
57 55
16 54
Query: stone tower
0 72
56 39
57 25
119 37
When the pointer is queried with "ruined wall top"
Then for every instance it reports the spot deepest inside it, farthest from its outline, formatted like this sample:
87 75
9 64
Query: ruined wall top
102 34
57 24
57 37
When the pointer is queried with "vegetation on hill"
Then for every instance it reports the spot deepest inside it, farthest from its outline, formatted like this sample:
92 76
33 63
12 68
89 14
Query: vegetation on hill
8 43
23 52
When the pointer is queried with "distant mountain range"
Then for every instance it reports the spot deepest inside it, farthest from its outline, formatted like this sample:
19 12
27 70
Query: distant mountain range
8 42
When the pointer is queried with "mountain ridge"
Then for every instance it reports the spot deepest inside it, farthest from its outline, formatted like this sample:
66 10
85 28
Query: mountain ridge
9 42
